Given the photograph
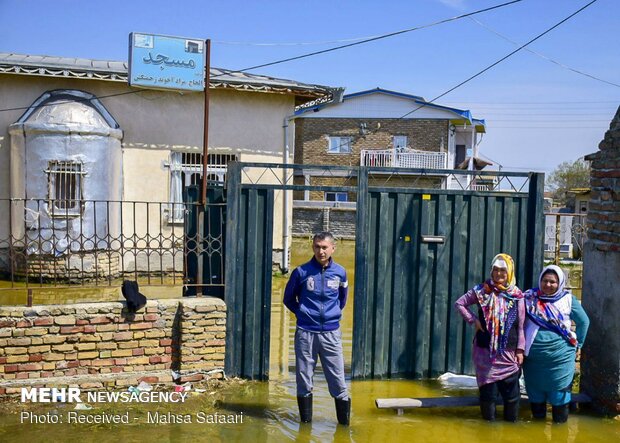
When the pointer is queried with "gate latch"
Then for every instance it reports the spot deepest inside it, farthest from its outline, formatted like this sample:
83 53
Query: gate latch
433 238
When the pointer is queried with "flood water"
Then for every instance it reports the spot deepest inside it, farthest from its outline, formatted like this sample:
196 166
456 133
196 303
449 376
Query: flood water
269 409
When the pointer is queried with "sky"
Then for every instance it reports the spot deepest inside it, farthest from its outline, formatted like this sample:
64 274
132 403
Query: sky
539 112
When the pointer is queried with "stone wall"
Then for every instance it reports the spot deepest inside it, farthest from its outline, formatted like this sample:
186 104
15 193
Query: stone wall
601 297
103 342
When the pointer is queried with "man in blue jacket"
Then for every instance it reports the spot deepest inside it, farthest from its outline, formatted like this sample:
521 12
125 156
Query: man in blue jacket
317 293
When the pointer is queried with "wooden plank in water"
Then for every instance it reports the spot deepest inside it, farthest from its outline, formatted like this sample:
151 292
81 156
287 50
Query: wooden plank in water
449 402
430 402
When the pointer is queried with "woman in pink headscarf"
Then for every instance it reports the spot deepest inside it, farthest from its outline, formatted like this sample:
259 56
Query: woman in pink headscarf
499 341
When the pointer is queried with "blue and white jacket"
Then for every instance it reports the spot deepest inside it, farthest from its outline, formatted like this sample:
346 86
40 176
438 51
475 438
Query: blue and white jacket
317 295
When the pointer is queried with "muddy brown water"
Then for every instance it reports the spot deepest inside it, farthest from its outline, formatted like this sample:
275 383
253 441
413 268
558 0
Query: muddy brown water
269 410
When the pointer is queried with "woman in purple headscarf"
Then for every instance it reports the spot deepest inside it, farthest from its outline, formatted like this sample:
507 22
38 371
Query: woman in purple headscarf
551 345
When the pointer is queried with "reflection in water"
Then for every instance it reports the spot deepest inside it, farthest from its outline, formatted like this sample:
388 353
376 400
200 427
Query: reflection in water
270 408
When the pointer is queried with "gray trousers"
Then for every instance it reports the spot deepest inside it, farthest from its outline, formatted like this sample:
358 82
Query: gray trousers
328 346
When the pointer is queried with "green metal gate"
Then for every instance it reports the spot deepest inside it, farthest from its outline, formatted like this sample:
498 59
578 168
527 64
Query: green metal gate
249 239
417 251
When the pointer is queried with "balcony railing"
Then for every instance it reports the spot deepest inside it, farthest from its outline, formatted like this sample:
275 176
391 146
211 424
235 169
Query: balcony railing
404 159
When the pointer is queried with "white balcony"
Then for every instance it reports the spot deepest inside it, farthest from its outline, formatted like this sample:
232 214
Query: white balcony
409 158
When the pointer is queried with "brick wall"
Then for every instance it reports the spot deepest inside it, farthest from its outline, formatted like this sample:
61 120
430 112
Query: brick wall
339 221
601 299
100 340
311 134
604 206
87 265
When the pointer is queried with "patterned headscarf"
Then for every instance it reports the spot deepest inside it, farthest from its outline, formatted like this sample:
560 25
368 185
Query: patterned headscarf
499 303
561 283
541 309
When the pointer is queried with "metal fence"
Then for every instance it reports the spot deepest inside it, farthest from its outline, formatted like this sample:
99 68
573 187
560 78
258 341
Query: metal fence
565 236
101 243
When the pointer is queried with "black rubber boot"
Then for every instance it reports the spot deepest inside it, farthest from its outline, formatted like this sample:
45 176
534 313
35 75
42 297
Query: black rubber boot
511 410
487 408
305 408
343 411
539 410
560 413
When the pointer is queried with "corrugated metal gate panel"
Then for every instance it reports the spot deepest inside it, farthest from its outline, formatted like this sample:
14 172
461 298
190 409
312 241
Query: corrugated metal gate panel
249 230
404 321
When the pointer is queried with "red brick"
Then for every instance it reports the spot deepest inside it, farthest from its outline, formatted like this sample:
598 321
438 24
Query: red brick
165 342
81 322
151 317
165 359
100 320
154 359
10 368
4 323
120 361
116 369
2 360
35 357
168 350
73 364
23 324
21 375
139 351
70 372
71 329
31 367
89 329
44 321
193 377
121 336
46 374
149 379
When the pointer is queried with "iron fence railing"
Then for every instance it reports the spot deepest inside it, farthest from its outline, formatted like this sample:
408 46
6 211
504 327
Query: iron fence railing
103 243
565 236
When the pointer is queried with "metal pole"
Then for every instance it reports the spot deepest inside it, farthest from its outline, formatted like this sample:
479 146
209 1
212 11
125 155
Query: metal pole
205 141
556 260
205 161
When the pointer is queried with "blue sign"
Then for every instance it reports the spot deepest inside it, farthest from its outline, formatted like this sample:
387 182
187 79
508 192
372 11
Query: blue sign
161 62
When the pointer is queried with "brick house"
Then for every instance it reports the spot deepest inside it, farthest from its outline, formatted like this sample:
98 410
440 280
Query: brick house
388 129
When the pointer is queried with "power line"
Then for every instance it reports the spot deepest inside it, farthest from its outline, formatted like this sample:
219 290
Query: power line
380 37
491 65
370 39
537 103
546 120
562 65
479 73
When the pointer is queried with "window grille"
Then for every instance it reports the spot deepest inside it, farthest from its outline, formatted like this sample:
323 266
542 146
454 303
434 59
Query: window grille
186 170
65 186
